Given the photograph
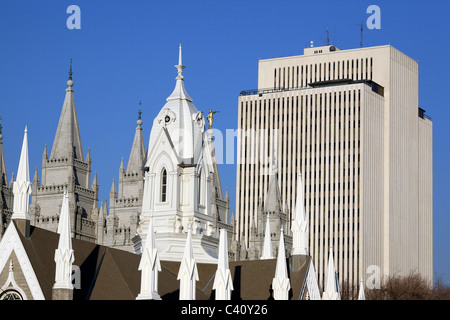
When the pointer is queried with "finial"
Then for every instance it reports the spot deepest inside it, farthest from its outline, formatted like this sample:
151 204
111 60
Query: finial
70 71
139 120
70 82
1 127
180 66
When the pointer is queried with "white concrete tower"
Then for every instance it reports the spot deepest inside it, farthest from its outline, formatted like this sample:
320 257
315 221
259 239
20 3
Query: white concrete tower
179 179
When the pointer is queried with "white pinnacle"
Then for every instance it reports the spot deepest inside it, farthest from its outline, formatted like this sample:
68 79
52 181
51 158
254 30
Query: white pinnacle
188 273
299 226
331 291
267 246
64 254
222 280
361 294
22 185
149 266
280 283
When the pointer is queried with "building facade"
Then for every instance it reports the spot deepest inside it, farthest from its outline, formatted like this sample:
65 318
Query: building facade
349 122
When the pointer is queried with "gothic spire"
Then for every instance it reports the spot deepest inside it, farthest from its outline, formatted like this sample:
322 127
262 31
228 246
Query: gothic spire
149 266
223 283
64 254
280 283
273 197
299 223
188 274
331 291
361 294
22 184
267 246
67 139
136 161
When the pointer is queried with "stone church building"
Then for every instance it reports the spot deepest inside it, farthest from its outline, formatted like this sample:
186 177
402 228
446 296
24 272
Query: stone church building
166 214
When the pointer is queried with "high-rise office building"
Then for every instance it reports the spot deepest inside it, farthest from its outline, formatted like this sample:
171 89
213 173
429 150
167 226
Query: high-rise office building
349 122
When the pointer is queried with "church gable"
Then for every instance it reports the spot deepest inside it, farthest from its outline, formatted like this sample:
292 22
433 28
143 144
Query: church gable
12 249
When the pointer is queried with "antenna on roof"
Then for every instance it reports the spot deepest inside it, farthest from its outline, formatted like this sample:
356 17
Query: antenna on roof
328 37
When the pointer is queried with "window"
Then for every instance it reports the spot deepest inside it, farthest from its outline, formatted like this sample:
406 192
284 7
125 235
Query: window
11 294
163 185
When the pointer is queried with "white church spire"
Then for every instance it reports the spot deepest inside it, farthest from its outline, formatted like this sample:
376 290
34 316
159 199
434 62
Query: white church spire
267 246
149 266
299 223
188 273
280 283
222 281
361 294
331 291
22 184
64 254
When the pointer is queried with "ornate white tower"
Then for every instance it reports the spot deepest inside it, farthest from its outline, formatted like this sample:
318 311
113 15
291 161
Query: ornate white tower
179 175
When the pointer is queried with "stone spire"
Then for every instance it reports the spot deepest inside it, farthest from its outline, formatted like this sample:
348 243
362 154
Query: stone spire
361 294
272 201
299 223
188 273
223 283
22 185
267 246
136 161
64 255
331 291
67 138
280 283
149 267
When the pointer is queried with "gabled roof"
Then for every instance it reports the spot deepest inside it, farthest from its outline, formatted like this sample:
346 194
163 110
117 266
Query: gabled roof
112 274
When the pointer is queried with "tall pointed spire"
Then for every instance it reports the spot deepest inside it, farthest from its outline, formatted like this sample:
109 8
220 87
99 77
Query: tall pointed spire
64 255
67 139
22 184
149 266
223 283
331 291
267 252
280 283
272 201
136 161
188 273
299 223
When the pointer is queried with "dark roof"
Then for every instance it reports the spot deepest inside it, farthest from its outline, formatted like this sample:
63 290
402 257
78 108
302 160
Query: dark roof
112 274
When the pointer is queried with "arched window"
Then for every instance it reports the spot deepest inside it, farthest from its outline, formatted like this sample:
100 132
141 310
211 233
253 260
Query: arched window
163 185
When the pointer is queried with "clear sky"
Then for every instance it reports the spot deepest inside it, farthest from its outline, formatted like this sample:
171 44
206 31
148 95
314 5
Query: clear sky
125 52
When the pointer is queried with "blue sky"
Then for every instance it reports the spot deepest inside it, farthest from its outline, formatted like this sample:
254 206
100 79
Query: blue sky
125 52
